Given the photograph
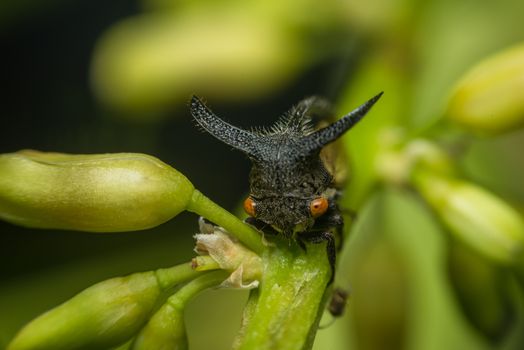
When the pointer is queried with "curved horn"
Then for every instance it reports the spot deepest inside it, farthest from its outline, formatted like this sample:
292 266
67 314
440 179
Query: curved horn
322 137
242 140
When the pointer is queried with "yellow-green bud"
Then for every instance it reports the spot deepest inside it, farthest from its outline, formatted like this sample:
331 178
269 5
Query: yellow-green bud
104 315
477 217
166 329
490 97
97 193
150 61
395 163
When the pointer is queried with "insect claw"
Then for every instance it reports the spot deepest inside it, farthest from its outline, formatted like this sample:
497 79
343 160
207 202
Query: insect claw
302 245
320 237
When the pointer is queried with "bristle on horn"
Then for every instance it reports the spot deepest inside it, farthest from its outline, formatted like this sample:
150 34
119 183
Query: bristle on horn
237 138
322 137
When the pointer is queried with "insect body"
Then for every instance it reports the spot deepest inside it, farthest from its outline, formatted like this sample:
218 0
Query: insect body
292 190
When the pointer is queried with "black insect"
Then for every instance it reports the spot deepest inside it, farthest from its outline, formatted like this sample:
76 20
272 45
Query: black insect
292 187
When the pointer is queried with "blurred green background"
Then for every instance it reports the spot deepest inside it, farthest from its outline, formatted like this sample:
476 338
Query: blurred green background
95 77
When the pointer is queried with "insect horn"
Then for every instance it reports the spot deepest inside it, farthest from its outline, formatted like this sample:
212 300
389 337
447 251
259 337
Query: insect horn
322 137
242 140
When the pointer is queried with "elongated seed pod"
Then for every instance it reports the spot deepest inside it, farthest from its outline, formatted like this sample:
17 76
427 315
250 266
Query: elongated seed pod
103 315
97 193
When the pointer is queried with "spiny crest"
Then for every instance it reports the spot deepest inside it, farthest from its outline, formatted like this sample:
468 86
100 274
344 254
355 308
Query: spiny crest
294 122
299 119
287 125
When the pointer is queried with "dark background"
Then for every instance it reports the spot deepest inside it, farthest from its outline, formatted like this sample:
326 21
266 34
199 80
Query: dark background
48 105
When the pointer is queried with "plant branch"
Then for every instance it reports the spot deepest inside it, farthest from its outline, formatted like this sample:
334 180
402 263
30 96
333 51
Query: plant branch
284 312
205 207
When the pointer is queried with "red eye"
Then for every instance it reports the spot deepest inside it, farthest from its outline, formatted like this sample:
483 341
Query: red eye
249 206
318 206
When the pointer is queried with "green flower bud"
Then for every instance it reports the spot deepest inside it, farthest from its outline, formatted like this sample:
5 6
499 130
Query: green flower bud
395 163
166 329
97 193
490 97
477 217
102 316
152 61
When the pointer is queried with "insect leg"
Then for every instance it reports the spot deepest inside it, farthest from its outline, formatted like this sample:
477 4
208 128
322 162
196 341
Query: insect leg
261 226
338 301
333 221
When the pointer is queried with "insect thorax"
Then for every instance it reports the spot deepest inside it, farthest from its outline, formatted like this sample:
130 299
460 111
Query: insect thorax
284 186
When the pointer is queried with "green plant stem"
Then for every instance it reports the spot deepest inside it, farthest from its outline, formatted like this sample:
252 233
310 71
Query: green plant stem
171 276
285 310
166 329
209 279
205 207
205 263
